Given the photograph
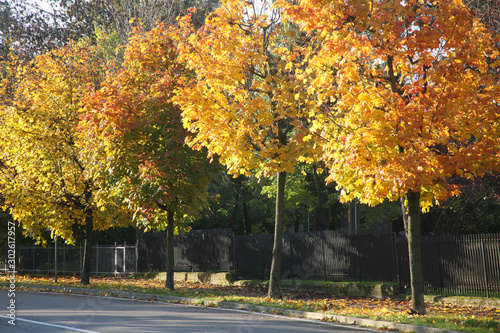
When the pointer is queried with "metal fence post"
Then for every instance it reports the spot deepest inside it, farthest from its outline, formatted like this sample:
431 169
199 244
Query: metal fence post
81 260
124 257
136 254
323 241
396 256
97 258
261 246
484 269
55 259
440 273
116 260
64 258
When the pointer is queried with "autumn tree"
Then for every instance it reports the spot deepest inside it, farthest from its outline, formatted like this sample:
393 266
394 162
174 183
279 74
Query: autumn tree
35 27
150 12
44 178
244 102
139 139
83 18
408 100
25 31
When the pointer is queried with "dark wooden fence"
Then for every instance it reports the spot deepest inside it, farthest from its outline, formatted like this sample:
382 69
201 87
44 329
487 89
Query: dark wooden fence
206 250
325 255
468 264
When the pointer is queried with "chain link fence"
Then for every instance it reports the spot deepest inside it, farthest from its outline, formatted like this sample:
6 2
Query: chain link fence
106 259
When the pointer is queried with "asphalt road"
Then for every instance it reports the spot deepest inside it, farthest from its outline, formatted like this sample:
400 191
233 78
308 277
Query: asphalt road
50 312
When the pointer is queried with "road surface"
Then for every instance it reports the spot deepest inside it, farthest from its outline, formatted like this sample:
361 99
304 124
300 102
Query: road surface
51 312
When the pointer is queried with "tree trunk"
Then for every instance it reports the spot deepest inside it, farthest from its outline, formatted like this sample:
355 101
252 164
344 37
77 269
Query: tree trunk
405 215
275 276
169 282
415 252
87 252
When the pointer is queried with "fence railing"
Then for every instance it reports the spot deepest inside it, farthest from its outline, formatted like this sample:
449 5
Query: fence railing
468 264
106 259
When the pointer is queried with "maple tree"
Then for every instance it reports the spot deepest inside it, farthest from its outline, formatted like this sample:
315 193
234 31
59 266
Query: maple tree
408 97
244 102
136 134
44 178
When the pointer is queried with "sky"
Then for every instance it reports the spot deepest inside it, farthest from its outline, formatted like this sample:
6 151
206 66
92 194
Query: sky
41 3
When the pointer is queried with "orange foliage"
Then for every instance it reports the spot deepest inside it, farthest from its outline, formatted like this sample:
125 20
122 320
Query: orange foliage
245 102
408 94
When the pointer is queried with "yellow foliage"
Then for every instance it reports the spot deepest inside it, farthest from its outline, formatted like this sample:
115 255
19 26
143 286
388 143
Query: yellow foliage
247 100
407 95
46 183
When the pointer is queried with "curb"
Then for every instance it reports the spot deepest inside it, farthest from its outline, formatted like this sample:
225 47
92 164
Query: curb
362 322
